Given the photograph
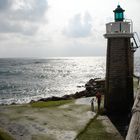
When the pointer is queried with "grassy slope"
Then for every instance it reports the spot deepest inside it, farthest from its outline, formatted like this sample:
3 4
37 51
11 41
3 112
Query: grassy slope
50 103
5 136
95 130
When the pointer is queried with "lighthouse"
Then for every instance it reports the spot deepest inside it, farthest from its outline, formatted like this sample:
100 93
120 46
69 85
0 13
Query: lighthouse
119 64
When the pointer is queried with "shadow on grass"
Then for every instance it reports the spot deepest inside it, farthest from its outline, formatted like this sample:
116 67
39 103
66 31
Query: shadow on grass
95 130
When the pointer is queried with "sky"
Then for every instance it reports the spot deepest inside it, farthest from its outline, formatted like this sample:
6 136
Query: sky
59 28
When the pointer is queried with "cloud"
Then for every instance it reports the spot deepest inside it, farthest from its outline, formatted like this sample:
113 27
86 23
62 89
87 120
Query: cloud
4 4
7 26
32 10
21 16
79 26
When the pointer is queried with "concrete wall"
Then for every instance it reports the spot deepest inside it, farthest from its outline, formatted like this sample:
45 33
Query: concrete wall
119 76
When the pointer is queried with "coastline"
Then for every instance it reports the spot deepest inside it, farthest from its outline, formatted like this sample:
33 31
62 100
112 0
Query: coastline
91 87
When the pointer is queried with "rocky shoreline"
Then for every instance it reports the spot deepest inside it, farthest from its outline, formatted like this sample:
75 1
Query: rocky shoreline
91 88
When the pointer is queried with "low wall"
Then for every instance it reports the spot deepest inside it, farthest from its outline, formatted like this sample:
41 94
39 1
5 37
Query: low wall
134 127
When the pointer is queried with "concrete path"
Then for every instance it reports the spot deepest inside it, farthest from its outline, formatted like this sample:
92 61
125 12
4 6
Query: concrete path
53 123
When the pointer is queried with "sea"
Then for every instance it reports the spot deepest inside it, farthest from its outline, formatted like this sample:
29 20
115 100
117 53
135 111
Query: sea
26 79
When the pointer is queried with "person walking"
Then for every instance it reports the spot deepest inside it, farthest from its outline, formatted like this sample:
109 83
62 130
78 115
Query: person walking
98 97
92 104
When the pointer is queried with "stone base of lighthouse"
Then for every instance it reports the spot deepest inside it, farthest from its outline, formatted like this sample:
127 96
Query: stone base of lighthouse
119 76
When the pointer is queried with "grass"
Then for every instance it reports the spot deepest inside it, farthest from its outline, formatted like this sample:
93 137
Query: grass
136 86
42 104
135 82
95 130
42 137
5 136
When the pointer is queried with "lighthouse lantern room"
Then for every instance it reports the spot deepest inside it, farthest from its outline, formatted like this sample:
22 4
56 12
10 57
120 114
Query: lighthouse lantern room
118 12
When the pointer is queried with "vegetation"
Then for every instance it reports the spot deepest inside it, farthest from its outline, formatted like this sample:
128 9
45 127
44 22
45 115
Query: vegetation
135 81
42 104
41 137
95 130
5 136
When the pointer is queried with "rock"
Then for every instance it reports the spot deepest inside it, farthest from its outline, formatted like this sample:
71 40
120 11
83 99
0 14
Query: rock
80 86
66 97
32 101
95 85
13 103
79 94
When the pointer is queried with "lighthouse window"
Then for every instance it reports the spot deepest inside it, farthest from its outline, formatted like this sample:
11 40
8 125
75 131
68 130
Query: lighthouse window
119 16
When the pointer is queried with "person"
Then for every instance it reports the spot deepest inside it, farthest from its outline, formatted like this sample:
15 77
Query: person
139 81
98 97
138 87
92 104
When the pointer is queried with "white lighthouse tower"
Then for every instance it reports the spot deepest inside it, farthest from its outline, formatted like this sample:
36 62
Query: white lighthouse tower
119 65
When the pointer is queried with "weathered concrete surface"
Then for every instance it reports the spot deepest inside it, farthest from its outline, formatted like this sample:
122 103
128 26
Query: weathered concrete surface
134 127
53 123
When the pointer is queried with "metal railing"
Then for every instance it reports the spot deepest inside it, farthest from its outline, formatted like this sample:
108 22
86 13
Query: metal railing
135 35
131 25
